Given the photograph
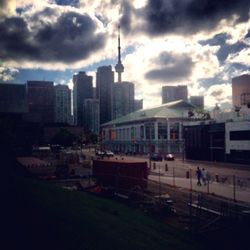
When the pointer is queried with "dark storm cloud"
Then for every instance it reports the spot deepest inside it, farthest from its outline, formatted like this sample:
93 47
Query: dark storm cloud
125 21
217 93
14 41
225 49
193 15
171 68
187 16
72 37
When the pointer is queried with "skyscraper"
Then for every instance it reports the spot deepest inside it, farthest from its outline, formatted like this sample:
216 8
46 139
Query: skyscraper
241 90
13 98
104 92
41 101
197 101
62 104
174 93
82 89
124 95
119 68
138 104
92 115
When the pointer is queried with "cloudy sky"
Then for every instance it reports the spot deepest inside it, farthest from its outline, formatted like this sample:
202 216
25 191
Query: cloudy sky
200 43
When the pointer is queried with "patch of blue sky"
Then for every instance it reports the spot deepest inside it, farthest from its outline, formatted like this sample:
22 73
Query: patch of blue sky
67 2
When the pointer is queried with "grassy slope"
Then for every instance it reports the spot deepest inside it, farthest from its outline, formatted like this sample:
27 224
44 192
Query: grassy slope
41 216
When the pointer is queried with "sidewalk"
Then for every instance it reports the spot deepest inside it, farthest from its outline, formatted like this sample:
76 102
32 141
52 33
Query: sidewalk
215 188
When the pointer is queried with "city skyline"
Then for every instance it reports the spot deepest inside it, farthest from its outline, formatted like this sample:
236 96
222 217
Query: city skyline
59 38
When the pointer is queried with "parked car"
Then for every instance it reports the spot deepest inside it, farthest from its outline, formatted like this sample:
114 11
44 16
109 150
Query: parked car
169 157
156 157
109 153
99 153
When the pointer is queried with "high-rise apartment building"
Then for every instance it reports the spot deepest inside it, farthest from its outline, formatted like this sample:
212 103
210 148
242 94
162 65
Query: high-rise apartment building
174 93
138 104
92 115
62 104
13 98
197 101
241 90
82 89
124 95
104 92
41 101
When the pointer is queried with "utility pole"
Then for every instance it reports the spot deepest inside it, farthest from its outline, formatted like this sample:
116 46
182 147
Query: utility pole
148 127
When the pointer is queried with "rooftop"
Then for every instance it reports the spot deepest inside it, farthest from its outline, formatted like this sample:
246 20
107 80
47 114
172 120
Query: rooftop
174 109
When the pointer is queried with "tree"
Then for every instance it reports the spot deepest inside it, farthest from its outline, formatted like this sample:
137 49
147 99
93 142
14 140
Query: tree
201 114
64 138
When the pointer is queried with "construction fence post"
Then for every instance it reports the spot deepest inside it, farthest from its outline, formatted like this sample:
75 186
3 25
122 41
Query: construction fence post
234 187
191 183
173 176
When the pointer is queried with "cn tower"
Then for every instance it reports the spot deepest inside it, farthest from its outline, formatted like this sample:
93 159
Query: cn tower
119 68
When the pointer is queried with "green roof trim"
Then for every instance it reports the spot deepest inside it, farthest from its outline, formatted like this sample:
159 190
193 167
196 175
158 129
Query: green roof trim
169 110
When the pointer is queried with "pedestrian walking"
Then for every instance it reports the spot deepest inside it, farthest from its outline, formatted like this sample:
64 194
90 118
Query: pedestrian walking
198 175
204 176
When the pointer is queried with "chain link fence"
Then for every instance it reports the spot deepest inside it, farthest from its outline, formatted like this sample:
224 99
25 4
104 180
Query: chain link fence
229 186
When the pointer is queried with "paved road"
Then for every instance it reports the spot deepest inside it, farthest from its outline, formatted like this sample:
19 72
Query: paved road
238 189
213 167
215 188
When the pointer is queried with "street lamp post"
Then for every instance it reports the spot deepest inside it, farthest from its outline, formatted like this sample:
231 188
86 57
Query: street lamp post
183 139
149 143
183 150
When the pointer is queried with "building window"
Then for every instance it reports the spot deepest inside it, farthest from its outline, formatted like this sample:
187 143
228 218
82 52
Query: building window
243 135
150 131
174 131
142 132
162 130
128 135
133 133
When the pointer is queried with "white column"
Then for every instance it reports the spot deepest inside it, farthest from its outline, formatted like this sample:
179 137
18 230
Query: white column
156 137
144 132
156 130
180 136
168 129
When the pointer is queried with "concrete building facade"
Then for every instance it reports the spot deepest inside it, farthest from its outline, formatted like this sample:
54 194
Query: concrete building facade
138 104
41 101
223 139
92 115
82 89
104 92
13 98
238 141
62 104
124 95
241 90
174 93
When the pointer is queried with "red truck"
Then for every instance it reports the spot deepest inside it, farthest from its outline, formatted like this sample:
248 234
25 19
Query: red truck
122 175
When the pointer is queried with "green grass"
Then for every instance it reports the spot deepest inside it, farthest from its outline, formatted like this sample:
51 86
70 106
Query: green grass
43 216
